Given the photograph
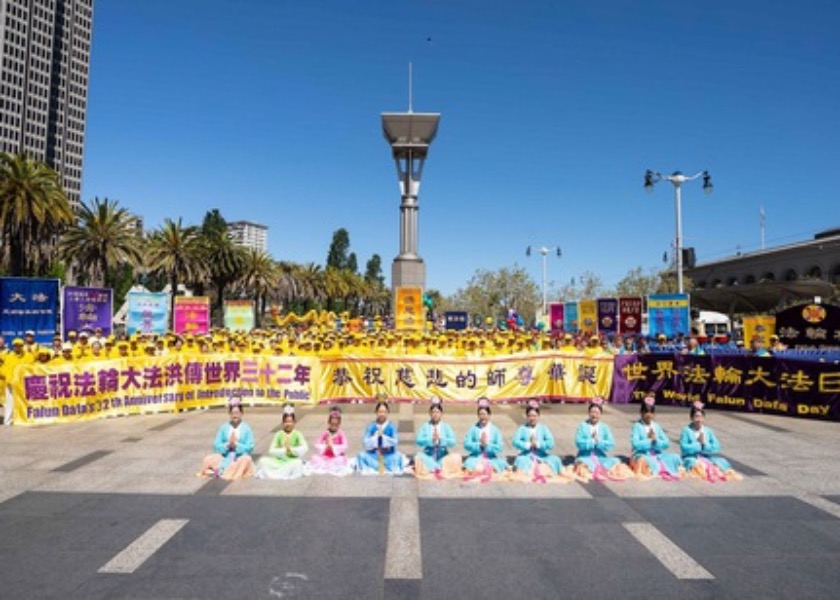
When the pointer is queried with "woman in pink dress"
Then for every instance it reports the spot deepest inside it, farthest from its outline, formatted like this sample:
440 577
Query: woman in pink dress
330 449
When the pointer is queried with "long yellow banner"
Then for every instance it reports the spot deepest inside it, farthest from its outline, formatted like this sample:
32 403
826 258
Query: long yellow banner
81 391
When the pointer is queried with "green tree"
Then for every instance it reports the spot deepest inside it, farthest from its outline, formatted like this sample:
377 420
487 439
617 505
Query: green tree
260 275
339 247
33 211
373 269
103 237
225 261
353 263
214 223
176 254
493 293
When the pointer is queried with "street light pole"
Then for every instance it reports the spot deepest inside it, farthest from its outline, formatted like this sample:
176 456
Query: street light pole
544 251
677 179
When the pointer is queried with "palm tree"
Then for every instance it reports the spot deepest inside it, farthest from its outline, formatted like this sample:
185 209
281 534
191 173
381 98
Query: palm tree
224 261
311 280
103 237
33 210
174 252
260 275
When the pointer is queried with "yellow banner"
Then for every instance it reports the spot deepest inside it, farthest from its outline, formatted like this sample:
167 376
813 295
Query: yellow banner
408 313
588 316
56 393
69 392
762 327
547 376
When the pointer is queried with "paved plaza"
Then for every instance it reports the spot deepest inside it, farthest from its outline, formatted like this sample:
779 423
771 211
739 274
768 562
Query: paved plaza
113 509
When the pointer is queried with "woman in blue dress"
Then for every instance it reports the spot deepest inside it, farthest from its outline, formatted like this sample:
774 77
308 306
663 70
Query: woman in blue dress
484 446
436 439
534 442
593 440
380 455
648 441
231 458
700 448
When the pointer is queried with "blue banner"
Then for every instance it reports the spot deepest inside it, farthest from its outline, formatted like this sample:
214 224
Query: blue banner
456 320
148 312
28 305
669 314
85 309
570 317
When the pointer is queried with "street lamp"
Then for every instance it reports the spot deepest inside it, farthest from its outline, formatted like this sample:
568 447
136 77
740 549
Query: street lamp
677 179
544 251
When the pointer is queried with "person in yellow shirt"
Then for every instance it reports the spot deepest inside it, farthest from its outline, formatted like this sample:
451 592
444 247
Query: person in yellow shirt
82 348
67 355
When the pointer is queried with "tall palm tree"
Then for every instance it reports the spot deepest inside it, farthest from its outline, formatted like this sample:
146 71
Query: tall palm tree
224 261
175 253
312 284
260 275
33 210
103 237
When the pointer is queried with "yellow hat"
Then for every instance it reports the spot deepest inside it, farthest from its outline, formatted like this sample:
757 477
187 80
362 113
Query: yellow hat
17 342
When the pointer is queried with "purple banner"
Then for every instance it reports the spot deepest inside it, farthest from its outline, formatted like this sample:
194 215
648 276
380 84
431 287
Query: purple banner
607 315
775 386
555 316
85 309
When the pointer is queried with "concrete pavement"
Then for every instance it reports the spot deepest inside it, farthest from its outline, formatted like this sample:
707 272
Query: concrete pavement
74 498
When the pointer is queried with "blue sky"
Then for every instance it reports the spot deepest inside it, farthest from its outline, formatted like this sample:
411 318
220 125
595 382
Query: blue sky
551 111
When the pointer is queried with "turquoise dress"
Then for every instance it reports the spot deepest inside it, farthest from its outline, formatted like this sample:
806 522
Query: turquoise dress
693 451
591 453
492 451
652 451
244 443
527 455
432 454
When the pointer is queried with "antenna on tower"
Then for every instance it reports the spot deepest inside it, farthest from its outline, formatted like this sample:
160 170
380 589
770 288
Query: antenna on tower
410 91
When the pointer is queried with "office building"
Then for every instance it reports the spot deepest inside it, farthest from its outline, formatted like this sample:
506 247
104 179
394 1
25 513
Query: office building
249 234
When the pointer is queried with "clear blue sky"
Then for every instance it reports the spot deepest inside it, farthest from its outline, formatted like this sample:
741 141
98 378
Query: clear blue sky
551 111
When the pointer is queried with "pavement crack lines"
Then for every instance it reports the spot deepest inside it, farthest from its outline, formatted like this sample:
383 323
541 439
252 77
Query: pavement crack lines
141 549
167 425
667 552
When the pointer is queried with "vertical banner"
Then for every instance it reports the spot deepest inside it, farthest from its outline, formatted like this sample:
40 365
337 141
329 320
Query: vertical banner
588 316
192 314
408 313
761 326
239 315
668 314
607 315
85 309
570 317
148 312
28 305
555 316
630 315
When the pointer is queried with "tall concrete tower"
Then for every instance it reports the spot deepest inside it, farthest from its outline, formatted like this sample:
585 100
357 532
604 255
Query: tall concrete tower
409 134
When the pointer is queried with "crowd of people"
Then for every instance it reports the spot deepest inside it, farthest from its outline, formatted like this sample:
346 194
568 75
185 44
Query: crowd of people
483 457
329 342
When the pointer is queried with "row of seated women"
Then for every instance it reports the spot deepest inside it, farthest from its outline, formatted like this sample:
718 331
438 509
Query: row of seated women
484 458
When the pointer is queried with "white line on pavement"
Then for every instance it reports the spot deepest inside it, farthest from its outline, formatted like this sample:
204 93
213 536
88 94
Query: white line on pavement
403 559
667 552
819 502
141 549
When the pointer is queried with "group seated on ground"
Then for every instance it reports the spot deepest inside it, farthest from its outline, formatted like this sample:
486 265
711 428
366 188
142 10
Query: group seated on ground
484 458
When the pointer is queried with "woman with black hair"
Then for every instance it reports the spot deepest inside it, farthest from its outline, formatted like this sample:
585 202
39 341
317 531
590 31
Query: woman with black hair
534 442
380 455
700 448
233 447
648 440
484 446
436 440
